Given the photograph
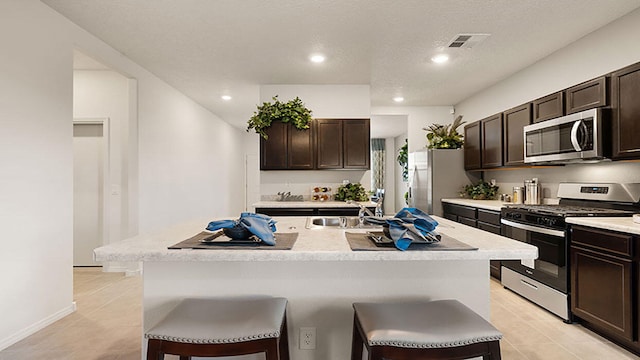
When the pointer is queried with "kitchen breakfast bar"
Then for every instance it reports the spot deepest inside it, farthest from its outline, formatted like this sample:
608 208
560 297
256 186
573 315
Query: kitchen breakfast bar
320 275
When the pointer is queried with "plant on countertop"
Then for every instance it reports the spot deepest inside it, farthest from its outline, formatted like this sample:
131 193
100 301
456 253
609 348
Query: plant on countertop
445 136
351 191
403 160
481 191
292 111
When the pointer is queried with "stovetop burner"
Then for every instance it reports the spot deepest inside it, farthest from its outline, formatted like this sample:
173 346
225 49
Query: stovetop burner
568 210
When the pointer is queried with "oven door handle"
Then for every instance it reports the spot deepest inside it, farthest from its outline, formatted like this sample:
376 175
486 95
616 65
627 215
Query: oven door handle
535 229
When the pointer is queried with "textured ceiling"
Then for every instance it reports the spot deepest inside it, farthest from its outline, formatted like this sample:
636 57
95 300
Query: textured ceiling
207 48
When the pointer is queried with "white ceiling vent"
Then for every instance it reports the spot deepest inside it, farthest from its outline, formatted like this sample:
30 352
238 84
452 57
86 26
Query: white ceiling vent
467 41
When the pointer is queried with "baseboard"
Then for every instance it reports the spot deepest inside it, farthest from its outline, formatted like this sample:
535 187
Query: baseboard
129 269
32 329
111 267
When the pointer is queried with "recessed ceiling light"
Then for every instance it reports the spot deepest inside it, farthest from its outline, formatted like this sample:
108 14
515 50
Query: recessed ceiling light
317 58
398 99
226 97
440 58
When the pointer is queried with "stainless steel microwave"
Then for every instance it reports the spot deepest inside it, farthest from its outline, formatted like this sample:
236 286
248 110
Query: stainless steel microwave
570 138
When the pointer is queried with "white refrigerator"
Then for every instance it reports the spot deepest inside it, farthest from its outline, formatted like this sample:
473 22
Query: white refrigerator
435 174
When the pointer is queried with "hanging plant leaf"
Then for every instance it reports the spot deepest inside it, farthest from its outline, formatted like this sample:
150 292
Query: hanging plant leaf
445 136
292 111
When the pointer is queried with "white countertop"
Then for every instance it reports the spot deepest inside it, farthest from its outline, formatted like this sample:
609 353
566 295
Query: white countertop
622 224
311 245
494 205
309 204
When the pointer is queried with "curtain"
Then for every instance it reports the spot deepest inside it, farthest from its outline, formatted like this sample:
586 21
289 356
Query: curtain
377 164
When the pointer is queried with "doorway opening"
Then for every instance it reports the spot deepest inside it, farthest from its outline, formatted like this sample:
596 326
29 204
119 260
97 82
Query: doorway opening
105 159
89 173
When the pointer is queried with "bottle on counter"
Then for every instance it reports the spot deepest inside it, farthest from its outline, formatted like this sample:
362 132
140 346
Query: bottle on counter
518 195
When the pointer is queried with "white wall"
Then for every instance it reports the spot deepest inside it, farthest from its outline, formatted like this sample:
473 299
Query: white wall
418 117
188 162
606 49
105 94
36 169
325 101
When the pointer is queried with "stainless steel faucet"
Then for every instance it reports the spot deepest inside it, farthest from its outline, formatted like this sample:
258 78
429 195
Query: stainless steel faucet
364 210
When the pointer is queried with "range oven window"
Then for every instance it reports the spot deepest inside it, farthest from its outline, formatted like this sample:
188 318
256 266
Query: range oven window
551 266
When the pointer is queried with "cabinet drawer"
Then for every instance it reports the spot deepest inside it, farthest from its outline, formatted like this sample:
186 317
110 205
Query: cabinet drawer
467 221
451 217
489 227
339 211
285 211
616 243
460 210
489 216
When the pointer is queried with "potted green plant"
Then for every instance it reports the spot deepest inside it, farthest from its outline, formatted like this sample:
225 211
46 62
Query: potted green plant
351 191
480 191
445 136
403 160
292 111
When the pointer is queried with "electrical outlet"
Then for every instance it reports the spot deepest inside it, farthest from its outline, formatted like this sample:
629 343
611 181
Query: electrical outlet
307 338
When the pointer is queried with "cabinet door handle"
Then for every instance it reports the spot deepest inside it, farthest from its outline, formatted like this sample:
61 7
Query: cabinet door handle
529 284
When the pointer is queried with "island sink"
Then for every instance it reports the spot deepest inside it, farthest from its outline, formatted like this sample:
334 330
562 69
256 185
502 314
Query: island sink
338 222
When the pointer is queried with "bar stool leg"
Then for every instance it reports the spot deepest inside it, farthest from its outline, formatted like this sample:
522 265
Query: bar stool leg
494 351
356 341
284 341
153 350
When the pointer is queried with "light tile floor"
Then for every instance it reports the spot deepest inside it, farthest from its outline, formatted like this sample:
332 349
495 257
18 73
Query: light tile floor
107 326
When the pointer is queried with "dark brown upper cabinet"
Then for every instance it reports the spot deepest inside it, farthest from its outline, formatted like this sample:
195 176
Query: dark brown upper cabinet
356 143
588 95
273 151
548 107
472 150
515 120
625 108
287 148
329 144
343 144
300 153
491 141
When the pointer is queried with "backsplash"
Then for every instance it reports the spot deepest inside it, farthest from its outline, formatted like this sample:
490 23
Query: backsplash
550 177
304 182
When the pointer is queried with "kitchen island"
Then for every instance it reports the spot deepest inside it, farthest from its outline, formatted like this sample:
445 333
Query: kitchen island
321 276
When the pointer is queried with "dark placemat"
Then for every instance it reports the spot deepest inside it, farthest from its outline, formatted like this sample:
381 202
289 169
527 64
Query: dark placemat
218 241
362 242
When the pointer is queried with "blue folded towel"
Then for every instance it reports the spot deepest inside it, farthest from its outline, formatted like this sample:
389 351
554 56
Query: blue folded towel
259 225
221 224
412 224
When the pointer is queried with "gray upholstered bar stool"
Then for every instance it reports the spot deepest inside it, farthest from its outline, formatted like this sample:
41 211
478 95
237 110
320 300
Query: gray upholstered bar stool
442 329
212 327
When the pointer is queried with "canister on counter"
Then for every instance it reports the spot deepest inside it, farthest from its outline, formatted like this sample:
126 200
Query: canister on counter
518 195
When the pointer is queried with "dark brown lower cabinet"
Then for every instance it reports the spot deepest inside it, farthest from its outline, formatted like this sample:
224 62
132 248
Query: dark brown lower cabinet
487 220
331 211
603 289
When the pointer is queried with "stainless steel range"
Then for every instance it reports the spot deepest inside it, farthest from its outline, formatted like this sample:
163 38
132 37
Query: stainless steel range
546 281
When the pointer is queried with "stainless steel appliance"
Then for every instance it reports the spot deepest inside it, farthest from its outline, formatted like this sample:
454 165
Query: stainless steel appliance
570 138
435 174
546 281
